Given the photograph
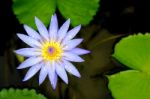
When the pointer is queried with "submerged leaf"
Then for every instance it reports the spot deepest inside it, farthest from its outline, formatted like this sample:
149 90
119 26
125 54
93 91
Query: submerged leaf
20 58
96 64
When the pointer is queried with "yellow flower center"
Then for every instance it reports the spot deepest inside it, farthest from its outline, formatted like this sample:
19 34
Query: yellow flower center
51 51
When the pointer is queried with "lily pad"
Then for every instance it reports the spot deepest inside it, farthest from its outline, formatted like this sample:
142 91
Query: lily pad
79 11
134 52
131 84
20 94
26 10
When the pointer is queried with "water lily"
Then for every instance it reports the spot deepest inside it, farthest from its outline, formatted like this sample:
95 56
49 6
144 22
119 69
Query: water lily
51 51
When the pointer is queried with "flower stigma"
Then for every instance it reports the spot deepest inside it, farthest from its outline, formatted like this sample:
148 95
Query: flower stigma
51 51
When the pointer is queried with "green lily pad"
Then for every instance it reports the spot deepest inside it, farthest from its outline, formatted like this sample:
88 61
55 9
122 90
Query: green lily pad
26 10
20 94
79 11
134 52
130 84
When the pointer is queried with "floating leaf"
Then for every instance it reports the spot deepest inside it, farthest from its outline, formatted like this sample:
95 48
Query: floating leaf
26 10
20 94
79 11
130 84
134 52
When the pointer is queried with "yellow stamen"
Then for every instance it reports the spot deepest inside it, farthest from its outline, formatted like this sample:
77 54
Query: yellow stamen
51 51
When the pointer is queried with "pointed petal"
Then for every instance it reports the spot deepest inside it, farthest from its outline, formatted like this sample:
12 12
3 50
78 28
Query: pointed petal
79 51
63 30
72 57
72 44
42 29
30 62
72 33
32 32
32 71
55 81
28 40
52 75
61 72
43 74
28 52
53 28
71 68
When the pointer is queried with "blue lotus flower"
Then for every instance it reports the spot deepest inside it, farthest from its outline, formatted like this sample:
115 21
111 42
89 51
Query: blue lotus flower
51 51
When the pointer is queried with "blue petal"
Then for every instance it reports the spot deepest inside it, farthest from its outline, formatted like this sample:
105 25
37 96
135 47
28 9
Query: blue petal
32 71
30 41
54 82
63 30
28 52
72 57
61 72
43 74
52 75
72 44
72 33
53 28
30 62
42 29
79 51
32 32
71 68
